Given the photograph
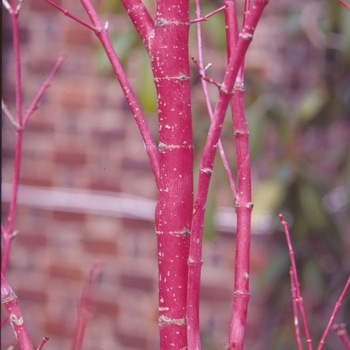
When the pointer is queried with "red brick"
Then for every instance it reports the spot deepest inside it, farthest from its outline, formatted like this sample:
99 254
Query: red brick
74 157
41 122
143 283
104 137
57 328
75 95
216 293
31 295
78 35
102 184
32 240
30 180
67 272
106 308
99 246
137 224
132 340
67 216
135 165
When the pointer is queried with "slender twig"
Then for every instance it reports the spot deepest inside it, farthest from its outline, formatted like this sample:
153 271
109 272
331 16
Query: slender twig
295 311
202 69
20 122
243 200
205 18
207 163
70 15
8 231
298 298
340 330
345 4
85 306
102 34
43 342
7 6
45 85
335 310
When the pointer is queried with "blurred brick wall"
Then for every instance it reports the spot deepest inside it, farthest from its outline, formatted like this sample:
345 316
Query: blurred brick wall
84 137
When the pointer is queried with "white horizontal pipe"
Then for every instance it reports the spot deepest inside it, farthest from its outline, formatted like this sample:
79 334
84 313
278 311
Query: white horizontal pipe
110 204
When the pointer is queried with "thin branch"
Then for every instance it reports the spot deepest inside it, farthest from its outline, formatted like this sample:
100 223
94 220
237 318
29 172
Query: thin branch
335 310
45 85
148 140
8 231
85 306
7 6
43 342
243 200
298 298
141 19
207 163
202 69
204 18
68 14
345 4
340 330
295 311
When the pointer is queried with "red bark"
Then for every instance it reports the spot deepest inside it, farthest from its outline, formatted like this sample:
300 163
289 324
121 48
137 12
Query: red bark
170 64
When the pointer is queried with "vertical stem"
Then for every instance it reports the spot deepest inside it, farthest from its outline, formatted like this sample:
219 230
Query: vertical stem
206 169
335 310
295 311
170 66
9 299
244 208
243 201
294 275
85 306
8 230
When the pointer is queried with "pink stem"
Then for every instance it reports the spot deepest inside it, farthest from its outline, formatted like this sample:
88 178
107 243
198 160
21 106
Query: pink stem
295 311
340 330
244 203
85 307
8 231
68 14
204 18
335 310
170 66
298 298
141 19
43 342
345 4
206 169
206 94
9 299
45 85
102 35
